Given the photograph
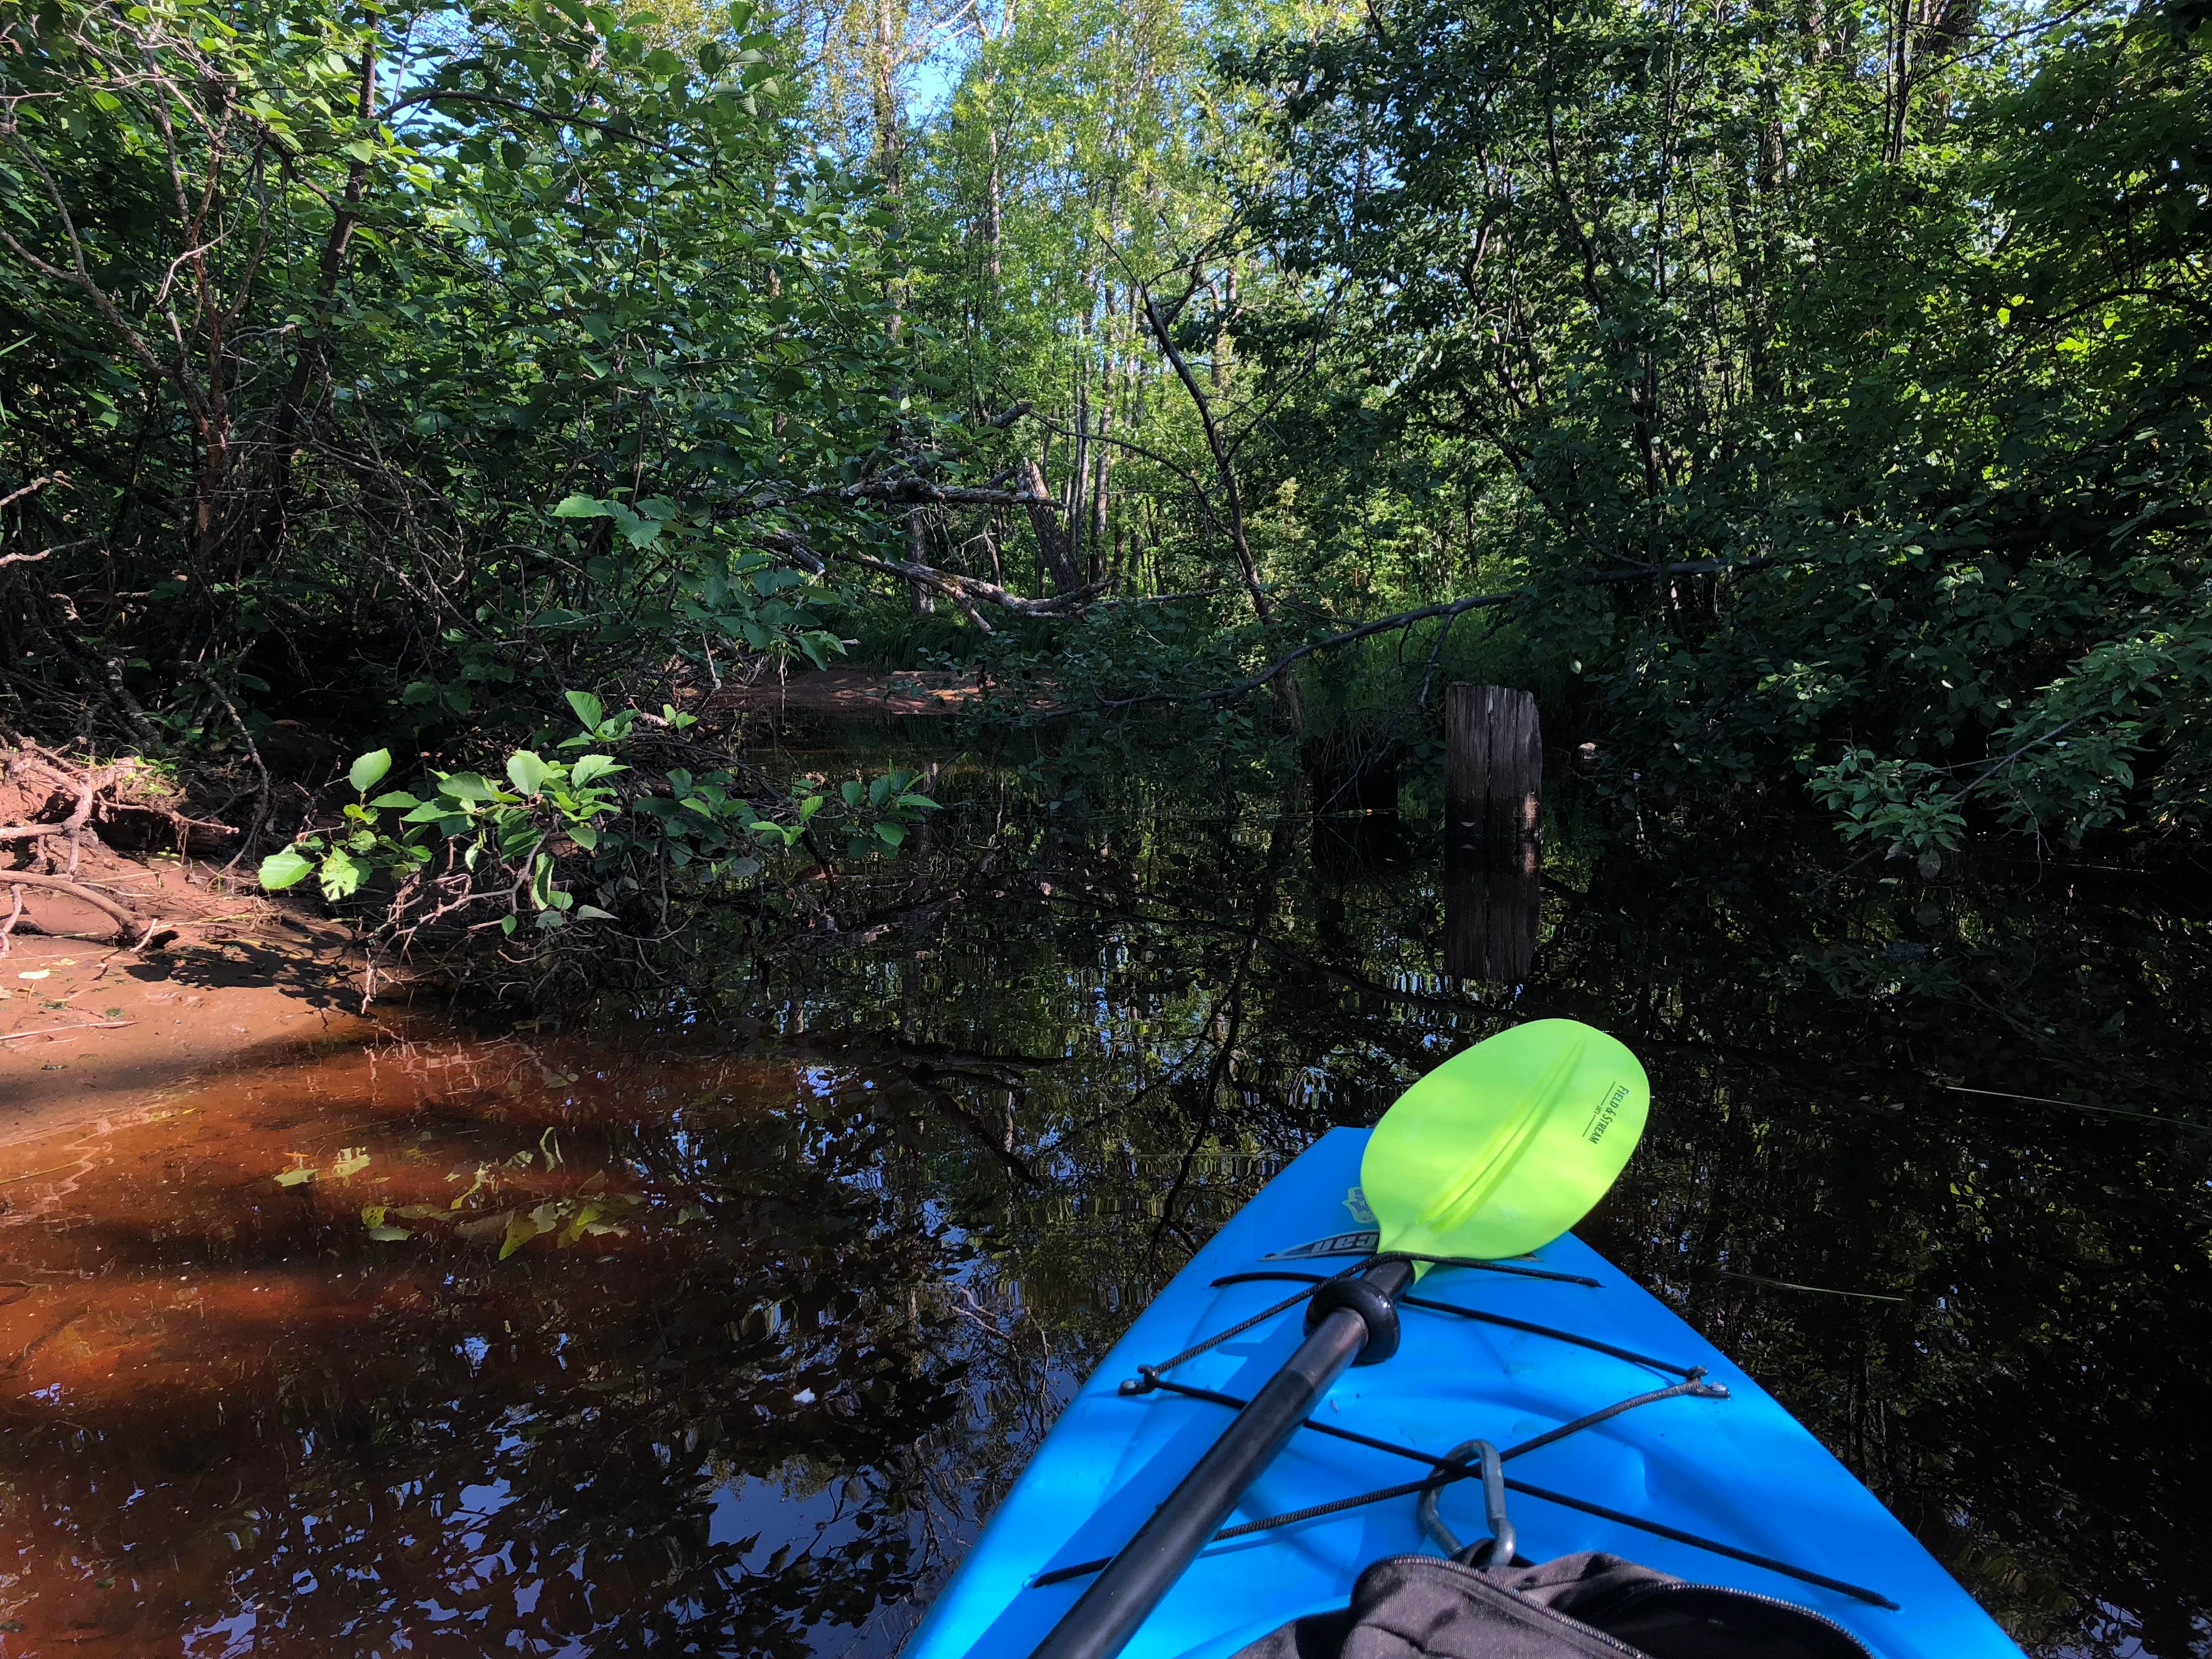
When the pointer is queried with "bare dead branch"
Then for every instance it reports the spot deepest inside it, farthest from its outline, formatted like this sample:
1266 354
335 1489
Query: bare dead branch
552 117
46 552
968 592
33 487
1222 464
898 492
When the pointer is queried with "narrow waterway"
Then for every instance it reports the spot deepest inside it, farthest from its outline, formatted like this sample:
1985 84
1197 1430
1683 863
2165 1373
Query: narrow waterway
710 1321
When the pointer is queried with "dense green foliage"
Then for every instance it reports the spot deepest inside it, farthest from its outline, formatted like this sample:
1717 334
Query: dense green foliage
1822 392
333 331
1908 314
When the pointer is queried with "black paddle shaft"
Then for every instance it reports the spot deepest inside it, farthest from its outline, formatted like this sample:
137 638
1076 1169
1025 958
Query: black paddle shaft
1102 1622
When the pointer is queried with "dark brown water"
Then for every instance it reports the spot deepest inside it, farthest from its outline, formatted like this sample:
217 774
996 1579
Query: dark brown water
709 1323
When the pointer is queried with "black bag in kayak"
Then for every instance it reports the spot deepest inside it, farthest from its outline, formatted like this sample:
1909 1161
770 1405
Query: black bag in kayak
1589 1606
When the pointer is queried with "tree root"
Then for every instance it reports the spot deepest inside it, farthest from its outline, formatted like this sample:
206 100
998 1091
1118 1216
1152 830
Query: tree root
129 928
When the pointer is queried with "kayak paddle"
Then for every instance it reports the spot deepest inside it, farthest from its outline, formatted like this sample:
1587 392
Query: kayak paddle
1504 1146
1495 1153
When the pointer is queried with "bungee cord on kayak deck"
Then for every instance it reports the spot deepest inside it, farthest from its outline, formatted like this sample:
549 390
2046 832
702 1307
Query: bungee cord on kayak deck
1373 1258
1455 1465
1534 1329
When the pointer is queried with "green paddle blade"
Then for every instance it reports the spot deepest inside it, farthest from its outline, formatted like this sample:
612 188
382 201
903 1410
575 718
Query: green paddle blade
1503 1148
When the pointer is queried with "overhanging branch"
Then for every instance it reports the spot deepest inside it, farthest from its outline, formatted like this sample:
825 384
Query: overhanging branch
968 592
1407 618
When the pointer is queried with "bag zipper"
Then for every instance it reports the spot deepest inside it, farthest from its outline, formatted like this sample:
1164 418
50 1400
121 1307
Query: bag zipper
1634 1594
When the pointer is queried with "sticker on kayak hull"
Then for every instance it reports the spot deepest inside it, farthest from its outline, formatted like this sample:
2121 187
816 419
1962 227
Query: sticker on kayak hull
1361 1244
1355 1199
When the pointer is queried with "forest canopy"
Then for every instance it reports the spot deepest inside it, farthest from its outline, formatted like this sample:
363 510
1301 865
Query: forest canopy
1806 397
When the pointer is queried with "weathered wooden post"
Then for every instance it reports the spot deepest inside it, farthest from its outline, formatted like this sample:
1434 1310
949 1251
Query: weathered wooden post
1493 786
1493 765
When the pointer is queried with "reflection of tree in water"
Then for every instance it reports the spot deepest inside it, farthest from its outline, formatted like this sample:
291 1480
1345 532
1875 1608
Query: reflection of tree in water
896 1187
683 1437
1994 1310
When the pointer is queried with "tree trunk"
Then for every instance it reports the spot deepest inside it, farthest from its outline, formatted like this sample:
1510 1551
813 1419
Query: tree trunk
991 211
1051 538
919 599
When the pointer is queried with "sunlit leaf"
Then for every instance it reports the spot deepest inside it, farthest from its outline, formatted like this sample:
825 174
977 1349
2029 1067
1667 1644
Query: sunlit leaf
527 772
284 869
366 772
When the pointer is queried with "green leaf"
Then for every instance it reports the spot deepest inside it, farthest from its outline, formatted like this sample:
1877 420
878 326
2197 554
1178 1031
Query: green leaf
296 1178
589 709
584 836
365 773
466 786
388 1234
284 869
588 767
527 771
894 834
396 799
593 912
341 875
583 507
521 1229
852 790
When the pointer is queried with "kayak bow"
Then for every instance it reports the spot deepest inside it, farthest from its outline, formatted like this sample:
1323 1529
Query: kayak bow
1670 1455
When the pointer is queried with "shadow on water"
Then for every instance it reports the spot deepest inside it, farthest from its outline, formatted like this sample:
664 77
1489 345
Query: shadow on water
712 1327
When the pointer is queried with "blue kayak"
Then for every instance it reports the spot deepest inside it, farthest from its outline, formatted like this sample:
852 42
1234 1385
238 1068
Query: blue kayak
1701 1474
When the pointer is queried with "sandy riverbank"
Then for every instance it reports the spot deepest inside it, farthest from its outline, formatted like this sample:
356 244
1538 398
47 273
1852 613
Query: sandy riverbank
88 1029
